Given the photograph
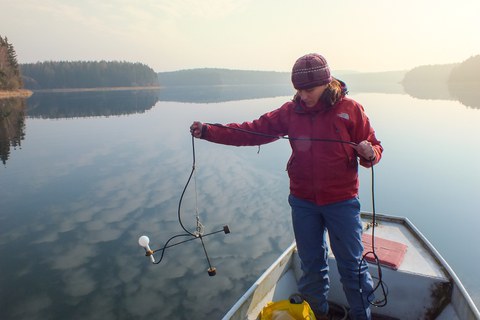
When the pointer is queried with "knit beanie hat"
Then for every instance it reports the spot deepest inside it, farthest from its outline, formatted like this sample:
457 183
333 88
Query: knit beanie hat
310 71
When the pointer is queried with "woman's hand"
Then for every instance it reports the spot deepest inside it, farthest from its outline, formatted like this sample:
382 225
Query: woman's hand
196 129
365 150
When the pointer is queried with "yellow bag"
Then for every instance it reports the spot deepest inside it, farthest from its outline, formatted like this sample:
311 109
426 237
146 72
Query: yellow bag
285 310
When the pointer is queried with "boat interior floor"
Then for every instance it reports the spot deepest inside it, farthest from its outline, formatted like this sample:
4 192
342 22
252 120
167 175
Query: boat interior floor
338 312
382 317
342 316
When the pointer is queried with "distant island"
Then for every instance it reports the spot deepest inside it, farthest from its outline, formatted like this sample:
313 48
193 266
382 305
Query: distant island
389 81
433 81
222 77
465 72
456 81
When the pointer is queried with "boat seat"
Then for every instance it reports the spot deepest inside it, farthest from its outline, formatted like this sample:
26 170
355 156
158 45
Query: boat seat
390 253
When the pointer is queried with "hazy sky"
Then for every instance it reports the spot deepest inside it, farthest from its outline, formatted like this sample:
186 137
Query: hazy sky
168 35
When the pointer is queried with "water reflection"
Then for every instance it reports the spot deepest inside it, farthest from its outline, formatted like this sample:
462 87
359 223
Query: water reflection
12 125
209 94
112 103
109 103
467 94
56 105
85 251
72 246
68 239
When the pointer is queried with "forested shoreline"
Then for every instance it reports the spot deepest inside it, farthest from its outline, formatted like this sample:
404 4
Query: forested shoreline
60 76
87 74
10 78
466 72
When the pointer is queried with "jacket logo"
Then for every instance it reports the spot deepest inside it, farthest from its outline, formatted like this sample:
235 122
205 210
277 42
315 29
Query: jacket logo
344 116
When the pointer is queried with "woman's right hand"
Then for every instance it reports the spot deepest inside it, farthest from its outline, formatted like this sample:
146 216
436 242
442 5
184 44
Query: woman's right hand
196 129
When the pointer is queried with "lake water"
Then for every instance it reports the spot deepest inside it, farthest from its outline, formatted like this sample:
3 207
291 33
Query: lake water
85 174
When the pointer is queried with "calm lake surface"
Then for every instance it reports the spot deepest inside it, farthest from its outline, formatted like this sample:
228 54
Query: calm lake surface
91 172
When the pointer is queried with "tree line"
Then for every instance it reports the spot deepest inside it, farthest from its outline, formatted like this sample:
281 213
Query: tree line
86 74
10 78
222 77
467 72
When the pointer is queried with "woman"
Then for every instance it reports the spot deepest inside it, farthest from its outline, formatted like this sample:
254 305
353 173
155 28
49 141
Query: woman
329 135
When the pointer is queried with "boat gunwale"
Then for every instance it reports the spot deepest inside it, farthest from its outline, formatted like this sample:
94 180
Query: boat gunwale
414 231
286 255
435 254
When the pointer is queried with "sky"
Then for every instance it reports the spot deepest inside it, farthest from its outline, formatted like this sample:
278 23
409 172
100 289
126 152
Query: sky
170 35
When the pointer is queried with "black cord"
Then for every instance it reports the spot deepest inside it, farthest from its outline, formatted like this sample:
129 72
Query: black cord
192 236
281 137
188 233
185 189
382 302
380 284
165 246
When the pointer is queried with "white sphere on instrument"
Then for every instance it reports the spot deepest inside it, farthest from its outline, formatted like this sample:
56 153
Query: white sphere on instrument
143 241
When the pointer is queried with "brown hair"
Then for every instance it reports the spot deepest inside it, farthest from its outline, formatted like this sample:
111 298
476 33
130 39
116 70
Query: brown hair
333 93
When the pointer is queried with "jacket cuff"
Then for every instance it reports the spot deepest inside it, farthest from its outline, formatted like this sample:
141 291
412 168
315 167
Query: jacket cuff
204 132
367 163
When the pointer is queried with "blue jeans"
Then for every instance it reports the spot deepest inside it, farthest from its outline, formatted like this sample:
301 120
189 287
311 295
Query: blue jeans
342 220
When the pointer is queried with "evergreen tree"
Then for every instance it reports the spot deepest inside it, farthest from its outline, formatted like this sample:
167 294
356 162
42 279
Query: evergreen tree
10 78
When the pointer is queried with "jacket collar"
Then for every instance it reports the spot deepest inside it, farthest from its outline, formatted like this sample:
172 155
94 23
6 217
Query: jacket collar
300 107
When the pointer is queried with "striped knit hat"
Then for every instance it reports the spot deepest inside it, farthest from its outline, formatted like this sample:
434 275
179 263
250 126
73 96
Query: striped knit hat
310 71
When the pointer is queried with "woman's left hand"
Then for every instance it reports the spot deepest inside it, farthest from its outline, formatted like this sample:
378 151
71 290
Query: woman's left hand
365 150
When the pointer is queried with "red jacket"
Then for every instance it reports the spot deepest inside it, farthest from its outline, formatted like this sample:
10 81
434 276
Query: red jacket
319 171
